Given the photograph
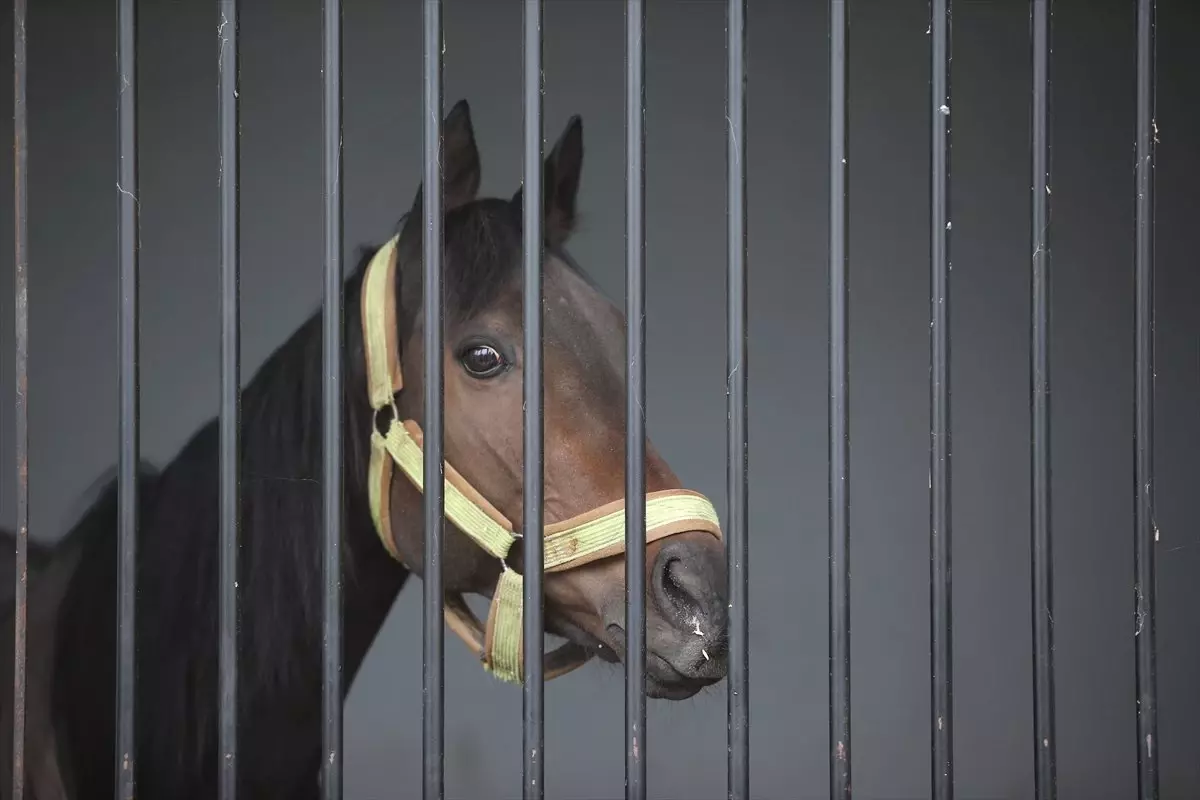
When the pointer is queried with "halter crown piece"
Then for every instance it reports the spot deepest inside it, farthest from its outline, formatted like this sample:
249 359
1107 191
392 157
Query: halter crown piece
598 533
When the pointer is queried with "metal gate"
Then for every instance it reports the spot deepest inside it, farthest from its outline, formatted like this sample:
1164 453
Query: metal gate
738 683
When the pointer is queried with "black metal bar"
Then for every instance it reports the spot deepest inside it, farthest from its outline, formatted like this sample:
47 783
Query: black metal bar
129 237
1145 532
737 445
230 412
433 731
532 515
21 359
635 400
940 629
331 403
1045 781
839 433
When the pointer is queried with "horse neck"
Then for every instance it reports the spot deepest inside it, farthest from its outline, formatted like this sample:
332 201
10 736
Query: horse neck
282 455
281 582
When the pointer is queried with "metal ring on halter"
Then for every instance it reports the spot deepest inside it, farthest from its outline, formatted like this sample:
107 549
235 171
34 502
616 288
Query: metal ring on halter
504 565
391 406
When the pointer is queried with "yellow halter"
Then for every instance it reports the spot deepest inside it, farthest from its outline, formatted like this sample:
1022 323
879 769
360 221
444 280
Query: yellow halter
595 534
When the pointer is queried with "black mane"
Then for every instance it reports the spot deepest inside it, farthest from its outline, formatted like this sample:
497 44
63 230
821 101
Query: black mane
280 586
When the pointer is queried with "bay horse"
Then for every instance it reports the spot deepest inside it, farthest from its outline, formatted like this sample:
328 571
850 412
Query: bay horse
70 750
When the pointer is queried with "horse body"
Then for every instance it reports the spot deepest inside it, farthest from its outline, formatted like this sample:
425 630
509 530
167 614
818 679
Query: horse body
72 631
71 702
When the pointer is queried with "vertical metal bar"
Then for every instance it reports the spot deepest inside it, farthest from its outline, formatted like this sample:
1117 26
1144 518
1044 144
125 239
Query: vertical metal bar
127 455
942 713
635 401
229 176
433 732
1042 562
737 444
532 515
1145 532
839 433
21 359
331 404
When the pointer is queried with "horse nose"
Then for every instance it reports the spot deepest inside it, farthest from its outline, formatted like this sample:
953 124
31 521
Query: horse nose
688 580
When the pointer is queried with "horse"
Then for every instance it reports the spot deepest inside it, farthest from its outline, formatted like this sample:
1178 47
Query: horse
70 750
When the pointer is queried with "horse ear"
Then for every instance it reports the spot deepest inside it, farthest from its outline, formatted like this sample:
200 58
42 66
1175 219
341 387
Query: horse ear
461 171
560 180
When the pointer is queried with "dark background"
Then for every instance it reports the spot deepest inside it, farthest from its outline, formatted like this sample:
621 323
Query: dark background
73 370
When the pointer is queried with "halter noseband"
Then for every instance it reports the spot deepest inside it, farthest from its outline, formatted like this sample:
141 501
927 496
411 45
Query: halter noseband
595 534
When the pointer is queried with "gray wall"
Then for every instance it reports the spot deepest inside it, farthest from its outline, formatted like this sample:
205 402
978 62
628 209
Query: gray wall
74 336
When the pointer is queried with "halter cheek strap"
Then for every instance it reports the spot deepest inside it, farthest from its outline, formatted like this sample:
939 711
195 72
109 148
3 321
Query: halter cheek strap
595 534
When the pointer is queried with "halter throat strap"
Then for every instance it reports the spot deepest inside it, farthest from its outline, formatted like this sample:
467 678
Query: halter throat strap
592 535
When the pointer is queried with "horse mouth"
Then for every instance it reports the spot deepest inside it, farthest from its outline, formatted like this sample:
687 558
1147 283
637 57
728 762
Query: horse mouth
680 689
663 681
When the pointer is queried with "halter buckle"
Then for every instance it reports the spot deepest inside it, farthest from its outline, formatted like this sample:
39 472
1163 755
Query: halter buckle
375 416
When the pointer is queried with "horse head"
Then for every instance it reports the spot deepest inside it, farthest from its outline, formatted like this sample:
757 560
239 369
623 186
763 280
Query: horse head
584 433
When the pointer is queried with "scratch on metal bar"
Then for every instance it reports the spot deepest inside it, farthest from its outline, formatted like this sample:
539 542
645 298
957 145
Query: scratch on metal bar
128 194
224 43
737 150
1141 613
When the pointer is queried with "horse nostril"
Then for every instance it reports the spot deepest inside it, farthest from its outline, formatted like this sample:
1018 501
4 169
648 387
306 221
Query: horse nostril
687 583
672 578
680 590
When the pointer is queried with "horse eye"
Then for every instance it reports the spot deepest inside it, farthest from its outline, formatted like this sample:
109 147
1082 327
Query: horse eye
482 360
